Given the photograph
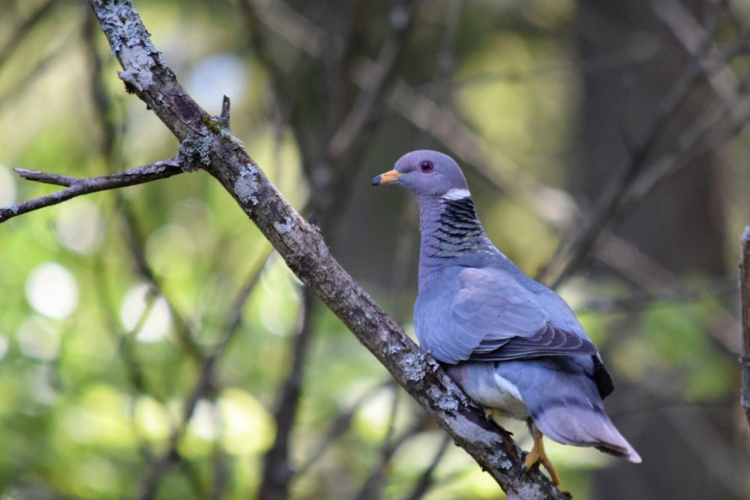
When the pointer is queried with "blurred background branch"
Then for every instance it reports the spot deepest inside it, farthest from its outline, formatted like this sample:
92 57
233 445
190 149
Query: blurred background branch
117 303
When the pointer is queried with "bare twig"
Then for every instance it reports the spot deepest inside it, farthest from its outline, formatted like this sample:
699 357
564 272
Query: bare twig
305 252
81 186
225 108
745 304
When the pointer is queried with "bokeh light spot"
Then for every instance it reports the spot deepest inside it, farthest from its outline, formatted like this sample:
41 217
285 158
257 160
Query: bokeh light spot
52 290
38 338
7 187
80 226
204 422
216 76
159 318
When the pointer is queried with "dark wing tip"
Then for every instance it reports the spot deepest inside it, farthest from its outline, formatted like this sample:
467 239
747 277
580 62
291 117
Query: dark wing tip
549 341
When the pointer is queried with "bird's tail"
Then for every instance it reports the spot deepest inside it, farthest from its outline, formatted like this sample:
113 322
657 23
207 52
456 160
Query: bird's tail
584 426
566 406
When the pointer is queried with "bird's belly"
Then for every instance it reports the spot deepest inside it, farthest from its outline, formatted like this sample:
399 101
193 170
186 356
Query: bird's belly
482 384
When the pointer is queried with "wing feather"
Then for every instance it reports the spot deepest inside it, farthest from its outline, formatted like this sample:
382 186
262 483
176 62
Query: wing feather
502 320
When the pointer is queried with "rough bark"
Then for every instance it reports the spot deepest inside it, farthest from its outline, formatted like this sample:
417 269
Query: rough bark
209 144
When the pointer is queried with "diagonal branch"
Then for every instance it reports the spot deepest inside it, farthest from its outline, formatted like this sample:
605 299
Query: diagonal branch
307 255
80 186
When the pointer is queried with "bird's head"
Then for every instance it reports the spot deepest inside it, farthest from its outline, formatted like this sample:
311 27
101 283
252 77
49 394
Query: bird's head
427 174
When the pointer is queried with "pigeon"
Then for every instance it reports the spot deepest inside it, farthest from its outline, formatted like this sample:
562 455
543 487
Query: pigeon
512 344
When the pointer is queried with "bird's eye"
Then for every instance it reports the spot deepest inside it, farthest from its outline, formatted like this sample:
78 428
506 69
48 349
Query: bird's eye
426 166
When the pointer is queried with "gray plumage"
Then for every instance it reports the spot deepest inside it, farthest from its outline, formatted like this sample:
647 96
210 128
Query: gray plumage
510 342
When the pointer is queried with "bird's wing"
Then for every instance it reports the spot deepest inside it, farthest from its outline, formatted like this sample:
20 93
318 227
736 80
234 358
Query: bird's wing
504 320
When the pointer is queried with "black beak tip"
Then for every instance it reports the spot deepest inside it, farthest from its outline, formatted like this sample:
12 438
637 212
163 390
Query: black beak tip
376 181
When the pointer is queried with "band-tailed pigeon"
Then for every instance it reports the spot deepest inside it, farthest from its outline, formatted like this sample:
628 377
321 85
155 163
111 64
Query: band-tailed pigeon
511 343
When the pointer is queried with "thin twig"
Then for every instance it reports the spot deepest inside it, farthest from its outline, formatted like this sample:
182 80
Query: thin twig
81 186
745 305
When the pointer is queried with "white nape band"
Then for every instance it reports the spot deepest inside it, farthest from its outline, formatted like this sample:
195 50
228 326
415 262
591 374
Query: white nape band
456 194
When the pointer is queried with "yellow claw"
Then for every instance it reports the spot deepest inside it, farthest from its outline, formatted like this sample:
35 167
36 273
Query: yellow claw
489 413
537 455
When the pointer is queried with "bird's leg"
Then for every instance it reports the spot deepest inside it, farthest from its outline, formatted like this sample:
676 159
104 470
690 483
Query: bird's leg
538 455
488 413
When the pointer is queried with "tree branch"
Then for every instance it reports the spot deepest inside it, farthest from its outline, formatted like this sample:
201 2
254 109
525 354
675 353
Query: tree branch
745 304
206 140
79 186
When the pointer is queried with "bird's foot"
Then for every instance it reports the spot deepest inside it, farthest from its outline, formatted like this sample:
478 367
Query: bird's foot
489 413
537 455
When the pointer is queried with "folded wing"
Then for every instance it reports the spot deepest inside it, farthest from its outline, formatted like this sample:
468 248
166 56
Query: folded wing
492 317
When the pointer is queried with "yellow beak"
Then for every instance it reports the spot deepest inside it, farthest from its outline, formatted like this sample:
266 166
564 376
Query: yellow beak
387 178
